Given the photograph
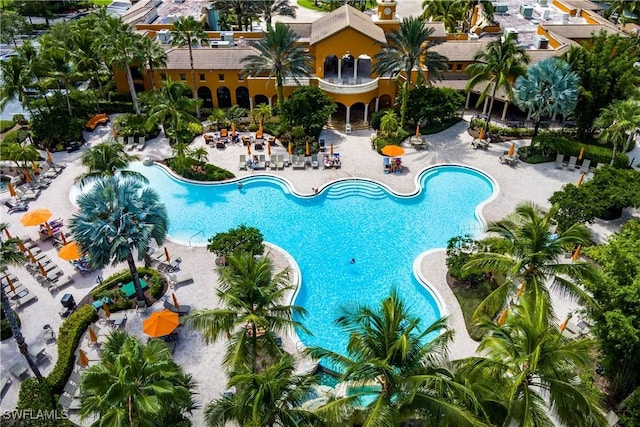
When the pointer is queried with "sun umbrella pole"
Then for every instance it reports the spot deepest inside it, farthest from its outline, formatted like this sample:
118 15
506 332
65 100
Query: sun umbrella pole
135 278
17 334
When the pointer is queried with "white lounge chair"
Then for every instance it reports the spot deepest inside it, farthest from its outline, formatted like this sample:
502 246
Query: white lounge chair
131 143
559 161
314 161
142 141
572 163
262 161
280 161
243 162
273 162
586 163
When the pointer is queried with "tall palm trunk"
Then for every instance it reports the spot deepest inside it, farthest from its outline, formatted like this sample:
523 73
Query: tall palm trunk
194 93
17 335
135 278
405 98
493 97
152 76
132 89
254 346
613 155
279 88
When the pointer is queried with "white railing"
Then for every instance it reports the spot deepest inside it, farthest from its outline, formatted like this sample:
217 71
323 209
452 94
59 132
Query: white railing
348 88
303 81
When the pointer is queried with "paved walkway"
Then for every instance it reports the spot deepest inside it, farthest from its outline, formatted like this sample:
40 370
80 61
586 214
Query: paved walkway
515 184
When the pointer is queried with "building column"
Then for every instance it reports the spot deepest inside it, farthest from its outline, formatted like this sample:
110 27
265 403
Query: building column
504 110
355 68
466 105
486 104
348 118
270 102
339 68
366 113
251 103
377 103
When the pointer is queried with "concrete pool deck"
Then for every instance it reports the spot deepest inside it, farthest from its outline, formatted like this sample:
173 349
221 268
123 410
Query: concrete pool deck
517 184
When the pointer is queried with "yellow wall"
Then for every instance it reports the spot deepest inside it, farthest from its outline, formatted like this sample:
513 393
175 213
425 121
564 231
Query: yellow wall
341 43
552 41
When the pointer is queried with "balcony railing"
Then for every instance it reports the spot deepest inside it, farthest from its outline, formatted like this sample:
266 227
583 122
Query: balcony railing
348 86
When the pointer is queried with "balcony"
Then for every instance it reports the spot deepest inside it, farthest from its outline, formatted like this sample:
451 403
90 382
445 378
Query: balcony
347 86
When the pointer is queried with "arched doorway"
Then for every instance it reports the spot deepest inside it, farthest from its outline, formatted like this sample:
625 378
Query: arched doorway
242 97
261 99
224 97
363 68
385 102
338 118
204 93
357 115
331 67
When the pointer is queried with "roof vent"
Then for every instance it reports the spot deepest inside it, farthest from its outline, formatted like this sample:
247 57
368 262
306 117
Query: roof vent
540 42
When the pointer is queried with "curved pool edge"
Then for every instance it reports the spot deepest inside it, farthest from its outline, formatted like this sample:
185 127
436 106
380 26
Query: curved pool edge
420 277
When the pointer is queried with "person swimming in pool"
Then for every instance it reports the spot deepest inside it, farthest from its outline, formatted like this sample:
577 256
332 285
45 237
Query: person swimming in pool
352 261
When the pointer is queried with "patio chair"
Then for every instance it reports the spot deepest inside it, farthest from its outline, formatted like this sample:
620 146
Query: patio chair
69 403
131 143
262 162
572 163
560 161
142 141
224 133
179 279
280 161
18 207
243 162
181 310
19 371
585 166
314 161
273 164
75 377
72 390
386 164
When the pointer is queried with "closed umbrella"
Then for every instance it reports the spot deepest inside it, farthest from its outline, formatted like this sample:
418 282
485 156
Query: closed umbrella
580 179
42 270
27 177
83 359
166 254
581 153
35 167
418 131
160 323
521 289
290 148
22 247
331 150
563 326
93 337
392 150
12 190
576 253
35 217
512 149
31 257
70 251
49 158
503 317
233 128
175 300
106 310
307 152
10 283
481 134
6 231
249 149
268 148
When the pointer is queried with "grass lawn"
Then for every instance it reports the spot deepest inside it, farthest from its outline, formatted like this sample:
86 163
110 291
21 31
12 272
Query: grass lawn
469 299
310 4
101 2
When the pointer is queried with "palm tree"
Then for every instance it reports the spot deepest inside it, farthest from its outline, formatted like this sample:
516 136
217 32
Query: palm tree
387 345
449 12
107 159
533 258
186 31
85 54
122 49
270 8
57 59
117 215
529 370
173 106
11 255
136 384
407 47
269 398
155 56
251 296
619 7
262 113
619 122
499 65
550 87
281 56
389 123
22 154
16 76
218 115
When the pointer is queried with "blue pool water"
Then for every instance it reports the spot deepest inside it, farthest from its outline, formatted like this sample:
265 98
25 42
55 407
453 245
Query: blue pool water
355 219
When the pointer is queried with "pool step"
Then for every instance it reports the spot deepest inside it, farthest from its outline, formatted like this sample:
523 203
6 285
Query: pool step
366 189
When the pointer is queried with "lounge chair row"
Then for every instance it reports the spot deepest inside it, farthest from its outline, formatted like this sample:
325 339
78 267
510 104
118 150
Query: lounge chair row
585 167
131 143
70 398
17 293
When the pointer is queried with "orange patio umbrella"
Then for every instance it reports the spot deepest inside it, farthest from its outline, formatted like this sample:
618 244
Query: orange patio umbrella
580 179
418 131
233 128
83 359
576 253
27 177
512 149
268 148
392 150
503 317
307 152
106 310
481 134
175 300
64 239
6 231
35 217
249 149
12 190
10 283
563 326
93 337
166 254
35 167
581 153
331 150
160 323
290 148
31 257
42 270
70 251
49 158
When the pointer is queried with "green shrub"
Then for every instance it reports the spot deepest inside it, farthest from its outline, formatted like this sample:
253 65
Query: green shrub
381 141
198 171
132 125
459 251
15 136
5 329
5 125
549 143
430 105
54 129
19 119
111 107
631 415
376 118
240 239
110 287
68 338
36 396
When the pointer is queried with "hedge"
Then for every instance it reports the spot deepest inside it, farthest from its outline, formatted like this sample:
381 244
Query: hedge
199 171
38 397
381 141
569 147
107 288
5 125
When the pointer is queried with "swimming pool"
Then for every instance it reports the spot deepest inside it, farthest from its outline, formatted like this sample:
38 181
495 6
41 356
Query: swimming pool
350 219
